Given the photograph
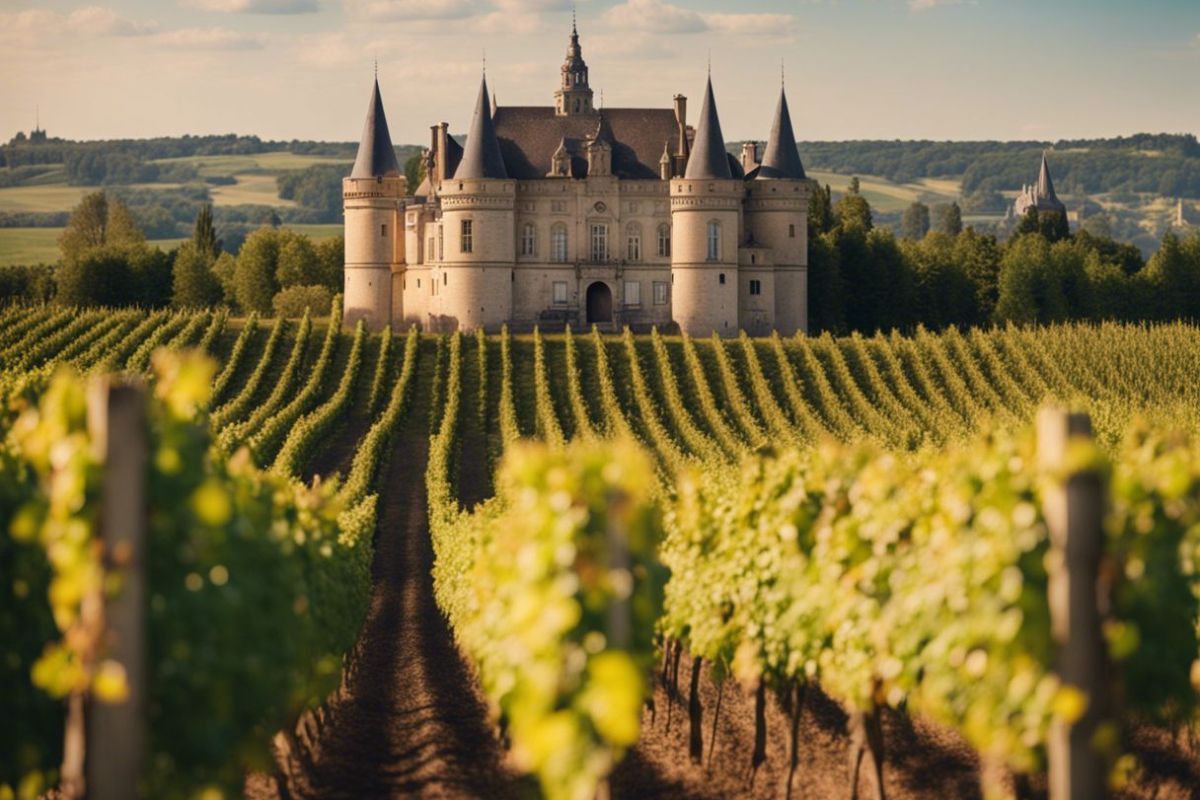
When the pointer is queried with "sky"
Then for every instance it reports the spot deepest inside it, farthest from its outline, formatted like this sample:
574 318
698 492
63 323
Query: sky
853 69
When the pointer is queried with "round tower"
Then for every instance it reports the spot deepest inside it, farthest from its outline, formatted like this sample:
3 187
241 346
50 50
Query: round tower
373 203
706 205
777 218
472 288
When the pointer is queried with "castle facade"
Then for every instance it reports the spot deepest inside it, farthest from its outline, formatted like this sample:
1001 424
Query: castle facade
572 214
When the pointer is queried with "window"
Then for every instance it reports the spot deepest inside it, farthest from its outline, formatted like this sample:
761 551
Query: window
633 293
558 243
721 279
791 231
441 244
599 243
383 230
660 293
528 240
714 241
633 246
467 241
560 293
755 287
558 206
445 278
429 250
664 241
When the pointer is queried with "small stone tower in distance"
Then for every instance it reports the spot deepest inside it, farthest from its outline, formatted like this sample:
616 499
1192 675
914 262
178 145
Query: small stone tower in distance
706 205
777 218
373 201
475 280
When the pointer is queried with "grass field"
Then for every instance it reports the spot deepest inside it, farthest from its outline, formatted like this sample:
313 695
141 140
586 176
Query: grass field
274 163
887 197
40 245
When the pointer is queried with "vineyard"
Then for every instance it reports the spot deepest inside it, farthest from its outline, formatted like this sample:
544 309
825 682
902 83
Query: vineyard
578 564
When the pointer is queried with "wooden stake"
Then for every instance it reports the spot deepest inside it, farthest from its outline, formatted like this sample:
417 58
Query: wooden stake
1074 510
116 731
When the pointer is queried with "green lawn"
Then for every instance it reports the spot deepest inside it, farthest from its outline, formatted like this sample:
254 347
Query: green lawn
885 196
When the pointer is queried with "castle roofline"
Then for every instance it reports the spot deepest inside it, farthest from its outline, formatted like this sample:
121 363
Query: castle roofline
481 157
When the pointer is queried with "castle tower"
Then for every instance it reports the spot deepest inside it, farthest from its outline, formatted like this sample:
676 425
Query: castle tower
473 285
705 209
373 201
777 218
574 96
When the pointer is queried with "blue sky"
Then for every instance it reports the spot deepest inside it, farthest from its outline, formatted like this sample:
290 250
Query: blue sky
856 69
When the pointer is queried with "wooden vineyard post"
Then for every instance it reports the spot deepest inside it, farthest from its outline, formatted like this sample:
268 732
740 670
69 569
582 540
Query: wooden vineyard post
116 735
1074 510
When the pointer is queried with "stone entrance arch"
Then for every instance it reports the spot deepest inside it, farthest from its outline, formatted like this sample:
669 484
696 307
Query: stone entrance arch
599 303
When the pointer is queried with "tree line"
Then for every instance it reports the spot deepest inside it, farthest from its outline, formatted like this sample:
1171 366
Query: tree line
1165 164
939 274
106 261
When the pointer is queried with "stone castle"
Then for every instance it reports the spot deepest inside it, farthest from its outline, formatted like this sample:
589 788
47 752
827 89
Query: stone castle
573 214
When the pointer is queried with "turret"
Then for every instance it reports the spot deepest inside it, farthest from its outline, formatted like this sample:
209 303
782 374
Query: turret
574 95
777 219
473 285
705 209
373 201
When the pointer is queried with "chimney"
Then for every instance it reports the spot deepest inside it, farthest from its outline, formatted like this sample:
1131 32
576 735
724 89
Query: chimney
442 167
749 156
681 149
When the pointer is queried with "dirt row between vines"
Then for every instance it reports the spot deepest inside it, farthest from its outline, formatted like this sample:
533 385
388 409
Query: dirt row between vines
410 721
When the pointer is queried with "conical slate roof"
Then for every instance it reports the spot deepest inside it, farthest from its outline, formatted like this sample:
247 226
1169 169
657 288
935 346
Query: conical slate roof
1045 186
376 158
708 159
782 158
481 158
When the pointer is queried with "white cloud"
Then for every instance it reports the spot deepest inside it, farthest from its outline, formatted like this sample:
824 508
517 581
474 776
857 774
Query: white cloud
774 24
657 16
526 6
39 27
403 10
254 6
925 5
210 39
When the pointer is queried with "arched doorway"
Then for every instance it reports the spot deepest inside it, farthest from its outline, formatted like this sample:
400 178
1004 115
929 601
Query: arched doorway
599 303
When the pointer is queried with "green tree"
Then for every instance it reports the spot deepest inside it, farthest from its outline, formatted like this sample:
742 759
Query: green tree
97 221
914 224
332 255
99 276
944 294
947 219
1173 274
826 294
292 301
820 211
854 187
298 264
853 211
194 284
224 269
255 280
979 256
414 172
1030 290
204 236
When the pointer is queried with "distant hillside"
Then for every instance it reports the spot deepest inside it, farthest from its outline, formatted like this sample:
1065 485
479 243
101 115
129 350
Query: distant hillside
1163 164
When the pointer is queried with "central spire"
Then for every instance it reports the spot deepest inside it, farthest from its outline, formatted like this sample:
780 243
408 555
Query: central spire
782 158
574 95
376 158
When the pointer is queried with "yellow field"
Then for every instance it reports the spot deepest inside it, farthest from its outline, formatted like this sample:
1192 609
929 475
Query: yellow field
256 189
885 196
279 161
